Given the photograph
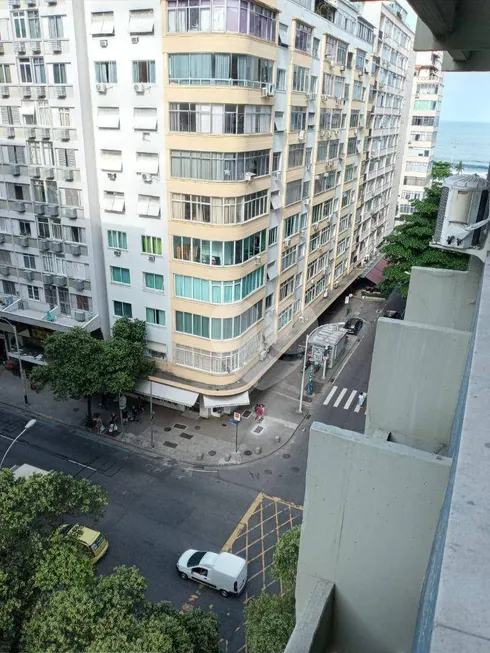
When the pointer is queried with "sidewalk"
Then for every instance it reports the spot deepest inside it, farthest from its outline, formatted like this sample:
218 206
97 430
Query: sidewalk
189 439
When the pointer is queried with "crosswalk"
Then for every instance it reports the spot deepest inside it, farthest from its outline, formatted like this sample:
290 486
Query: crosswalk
345 399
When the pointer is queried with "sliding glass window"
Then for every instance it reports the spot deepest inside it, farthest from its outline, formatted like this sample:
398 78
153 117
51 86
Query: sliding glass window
207 68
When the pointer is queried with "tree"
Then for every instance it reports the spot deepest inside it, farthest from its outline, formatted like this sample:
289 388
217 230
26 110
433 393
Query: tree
52 600
459 167
285 561
441 170
409 243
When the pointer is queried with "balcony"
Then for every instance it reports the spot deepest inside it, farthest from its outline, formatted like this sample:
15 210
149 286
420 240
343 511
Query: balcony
41 315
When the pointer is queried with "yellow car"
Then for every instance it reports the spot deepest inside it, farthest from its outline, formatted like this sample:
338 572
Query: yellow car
93 541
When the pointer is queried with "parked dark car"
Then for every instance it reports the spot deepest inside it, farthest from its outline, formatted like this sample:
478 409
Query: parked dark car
353 325
395 315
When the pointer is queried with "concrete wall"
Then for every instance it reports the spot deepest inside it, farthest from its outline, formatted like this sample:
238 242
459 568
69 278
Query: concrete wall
313 630
415 379
444 298
371 511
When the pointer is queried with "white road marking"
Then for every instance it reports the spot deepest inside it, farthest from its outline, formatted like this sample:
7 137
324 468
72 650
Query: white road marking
350 399
330 395
339 398
357 408
92 469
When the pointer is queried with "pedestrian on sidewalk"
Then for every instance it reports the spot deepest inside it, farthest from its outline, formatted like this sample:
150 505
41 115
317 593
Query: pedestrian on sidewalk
361 399
259 412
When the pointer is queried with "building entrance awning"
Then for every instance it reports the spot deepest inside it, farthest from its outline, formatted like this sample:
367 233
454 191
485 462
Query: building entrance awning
167 393
375 272
224 402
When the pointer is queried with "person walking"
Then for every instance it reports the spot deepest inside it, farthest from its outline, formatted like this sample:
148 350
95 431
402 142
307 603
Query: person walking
259 413
361 399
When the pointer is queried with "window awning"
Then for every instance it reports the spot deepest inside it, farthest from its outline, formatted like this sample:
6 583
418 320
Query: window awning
112 162
108 120
27 109
375 272
222 402
145 122
147 163
141 24
167 393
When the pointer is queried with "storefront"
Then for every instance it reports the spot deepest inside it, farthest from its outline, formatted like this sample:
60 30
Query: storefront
217 406
167 395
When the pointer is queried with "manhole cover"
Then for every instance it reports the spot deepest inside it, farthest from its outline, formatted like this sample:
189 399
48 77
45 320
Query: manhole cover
286 455
247 452
187 436
257 430
212 453
295 469
181 427
267 471
197 428
167 428
246 413
172 445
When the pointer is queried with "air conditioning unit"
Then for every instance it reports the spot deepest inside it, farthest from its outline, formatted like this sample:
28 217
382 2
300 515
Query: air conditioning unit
5 91
323 132
68 175
30 133
308 166
56 47
103 43
19 47
135 40
258 259
29 275
79 284
35 47
61 91
117 252
9 132
56 246
35 172
49 173
316 226
5 270
42 245
147 177
26 91
79 316
58 280
20 207
101 88
324 97
311 96
51 2
249 176
45 134
40 92
52 210
151 259
75 250
263 355
112 176
287 242
268 90
306 201
23 241
15 170
301 135
70 213
64 134
336 285
48 279
139 88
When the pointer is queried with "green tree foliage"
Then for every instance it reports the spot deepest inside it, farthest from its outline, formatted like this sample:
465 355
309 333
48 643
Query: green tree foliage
459 167
80 366
409 243
270 618
441 170
51 599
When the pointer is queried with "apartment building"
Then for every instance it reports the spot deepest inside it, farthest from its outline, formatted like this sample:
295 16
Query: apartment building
233 169
425 108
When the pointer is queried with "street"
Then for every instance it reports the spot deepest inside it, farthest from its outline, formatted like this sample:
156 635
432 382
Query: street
157 510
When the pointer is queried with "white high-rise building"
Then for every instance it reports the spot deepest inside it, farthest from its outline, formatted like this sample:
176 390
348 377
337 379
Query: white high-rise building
221 173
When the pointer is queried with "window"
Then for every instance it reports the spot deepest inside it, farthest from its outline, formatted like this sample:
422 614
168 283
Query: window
303 37
5 77
26 24
276 161
64 115
217 328
13 154
293 192
74 234
214 252
151 245
117 239
326 182
120 275
291 226
65 156
144 72
55 27
349 173
351 146
298 118
357 91
286 288
114 202
360 59
149 206
123 309
111 160
269 301
155 316
218 16
222 69
316 48
106 72
219 210
296 155
285 317
218 292
59 73
281 80
32 71
153 281
102 23
33 292
300 79
29 261
108 118
289 258
218 166
424 105
70 196
341 54
141 21
145 118
9 287
220 119
354 119
147 163
272 236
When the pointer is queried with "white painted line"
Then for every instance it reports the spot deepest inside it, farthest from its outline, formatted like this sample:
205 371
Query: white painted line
339 398
357 408
6 437
330 395
350 399
92 469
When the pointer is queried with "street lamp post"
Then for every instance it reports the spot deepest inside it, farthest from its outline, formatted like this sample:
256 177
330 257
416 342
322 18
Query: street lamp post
21 369
29 425
300 408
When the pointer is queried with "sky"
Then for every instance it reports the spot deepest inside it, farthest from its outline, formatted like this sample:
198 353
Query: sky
466 97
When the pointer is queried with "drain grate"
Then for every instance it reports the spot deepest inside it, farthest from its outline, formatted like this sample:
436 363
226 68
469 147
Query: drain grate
257 430
246 413
172 445
181 427
167 428
187 436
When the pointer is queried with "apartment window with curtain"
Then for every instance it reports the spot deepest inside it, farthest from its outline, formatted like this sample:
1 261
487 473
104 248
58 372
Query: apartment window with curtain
106 72
351 146
55 27
219 210
354 118
281 80
144 72
59 73
26 24
303 37
151 245
218 166
286 288
155 316
285 317
293 192
153 281
273 231
298 118
217 328
296 155
122 309
357 91
13 154
289 258
220 69
218 292
117 239
120 275
5 76
326 182
32 71
360 60
220 118
221 16
300 79
214 252
291 226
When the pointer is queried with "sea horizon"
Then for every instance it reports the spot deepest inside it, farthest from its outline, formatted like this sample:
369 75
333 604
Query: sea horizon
469 143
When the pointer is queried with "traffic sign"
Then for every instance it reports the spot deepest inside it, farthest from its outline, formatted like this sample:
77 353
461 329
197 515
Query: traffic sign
236 417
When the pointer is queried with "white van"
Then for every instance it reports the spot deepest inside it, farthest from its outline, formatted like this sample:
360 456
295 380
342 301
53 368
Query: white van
225 572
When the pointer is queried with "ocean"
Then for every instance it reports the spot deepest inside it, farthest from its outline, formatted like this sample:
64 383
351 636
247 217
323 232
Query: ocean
468 142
